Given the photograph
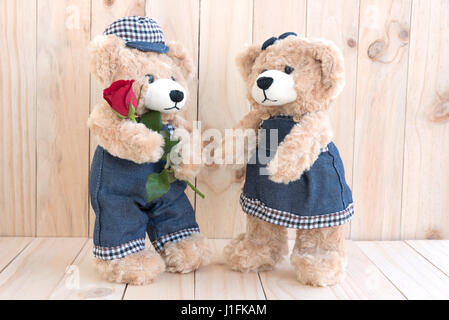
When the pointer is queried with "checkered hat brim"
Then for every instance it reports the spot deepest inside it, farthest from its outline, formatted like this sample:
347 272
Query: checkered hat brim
136 29
256 208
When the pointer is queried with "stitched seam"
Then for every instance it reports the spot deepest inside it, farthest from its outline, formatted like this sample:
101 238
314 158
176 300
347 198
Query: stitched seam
97 192
339 179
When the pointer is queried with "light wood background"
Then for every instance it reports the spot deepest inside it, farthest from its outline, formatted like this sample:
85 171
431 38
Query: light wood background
391 122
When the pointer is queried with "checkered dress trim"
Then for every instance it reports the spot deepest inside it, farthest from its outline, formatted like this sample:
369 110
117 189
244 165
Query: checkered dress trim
173 237
259 210
113 253
135 28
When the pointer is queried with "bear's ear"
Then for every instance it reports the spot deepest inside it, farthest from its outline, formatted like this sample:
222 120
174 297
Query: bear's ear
246 59
104 52
180 57
332 68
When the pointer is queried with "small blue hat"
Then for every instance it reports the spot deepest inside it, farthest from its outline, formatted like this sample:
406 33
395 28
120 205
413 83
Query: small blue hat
140 33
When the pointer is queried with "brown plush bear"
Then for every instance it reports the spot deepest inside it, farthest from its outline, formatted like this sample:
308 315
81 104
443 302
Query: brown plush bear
133 48
291 83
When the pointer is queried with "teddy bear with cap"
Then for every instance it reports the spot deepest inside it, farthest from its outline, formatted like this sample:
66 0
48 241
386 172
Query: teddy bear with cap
140 69
295 178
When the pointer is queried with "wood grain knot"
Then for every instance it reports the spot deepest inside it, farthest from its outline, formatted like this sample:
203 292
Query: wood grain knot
376 48
351 43
108 3
403 35
440 112
433 234
98 292
239 174
389 48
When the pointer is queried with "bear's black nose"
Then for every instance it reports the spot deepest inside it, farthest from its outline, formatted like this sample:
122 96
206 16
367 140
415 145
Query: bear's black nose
176 95
264 82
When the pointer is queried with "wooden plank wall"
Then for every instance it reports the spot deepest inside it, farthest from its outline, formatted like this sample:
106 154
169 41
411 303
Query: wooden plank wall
391 121
18 118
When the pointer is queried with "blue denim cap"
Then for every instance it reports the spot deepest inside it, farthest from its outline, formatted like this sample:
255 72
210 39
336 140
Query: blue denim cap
141 33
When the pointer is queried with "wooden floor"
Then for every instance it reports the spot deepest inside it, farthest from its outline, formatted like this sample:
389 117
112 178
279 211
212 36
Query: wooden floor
61 268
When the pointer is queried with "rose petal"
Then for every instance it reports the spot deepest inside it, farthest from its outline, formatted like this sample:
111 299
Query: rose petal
130 97
118 96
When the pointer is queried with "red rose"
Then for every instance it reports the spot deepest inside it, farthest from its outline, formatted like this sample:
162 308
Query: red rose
119 96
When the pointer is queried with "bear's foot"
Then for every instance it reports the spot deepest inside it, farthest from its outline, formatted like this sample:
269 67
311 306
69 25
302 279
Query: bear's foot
250 255
188 254
139 268
319 270
319 256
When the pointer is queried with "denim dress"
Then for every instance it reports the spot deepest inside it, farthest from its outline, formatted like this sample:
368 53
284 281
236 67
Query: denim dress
123 215
319 198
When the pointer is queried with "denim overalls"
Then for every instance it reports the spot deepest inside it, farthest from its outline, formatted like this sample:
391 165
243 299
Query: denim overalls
319 198
118 197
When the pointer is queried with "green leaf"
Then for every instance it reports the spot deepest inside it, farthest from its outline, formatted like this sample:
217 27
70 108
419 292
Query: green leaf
170 144
152 120
165 134
157 185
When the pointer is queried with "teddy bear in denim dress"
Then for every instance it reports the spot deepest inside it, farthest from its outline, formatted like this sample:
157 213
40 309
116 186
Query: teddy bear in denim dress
295 179
133 48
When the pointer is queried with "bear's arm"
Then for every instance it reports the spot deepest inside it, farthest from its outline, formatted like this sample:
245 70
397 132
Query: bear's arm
300 148
123 138
251 120
189 168
180 122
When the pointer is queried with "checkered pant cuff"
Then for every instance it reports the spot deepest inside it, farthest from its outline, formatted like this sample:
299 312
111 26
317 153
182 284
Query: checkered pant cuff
256 208
121 251
173 237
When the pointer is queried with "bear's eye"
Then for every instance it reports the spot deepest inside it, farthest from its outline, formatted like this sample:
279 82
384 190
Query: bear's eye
288 69
150 78
264 70
173 78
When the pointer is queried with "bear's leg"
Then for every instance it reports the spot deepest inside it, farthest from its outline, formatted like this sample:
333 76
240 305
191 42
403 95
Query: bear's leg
174 232
259 249
188 254
139 268
319 256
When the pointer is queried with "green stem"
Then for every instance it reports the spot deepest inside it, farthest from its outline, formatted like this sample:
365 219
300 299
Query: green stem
140 94
194 189
168 162
132 112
